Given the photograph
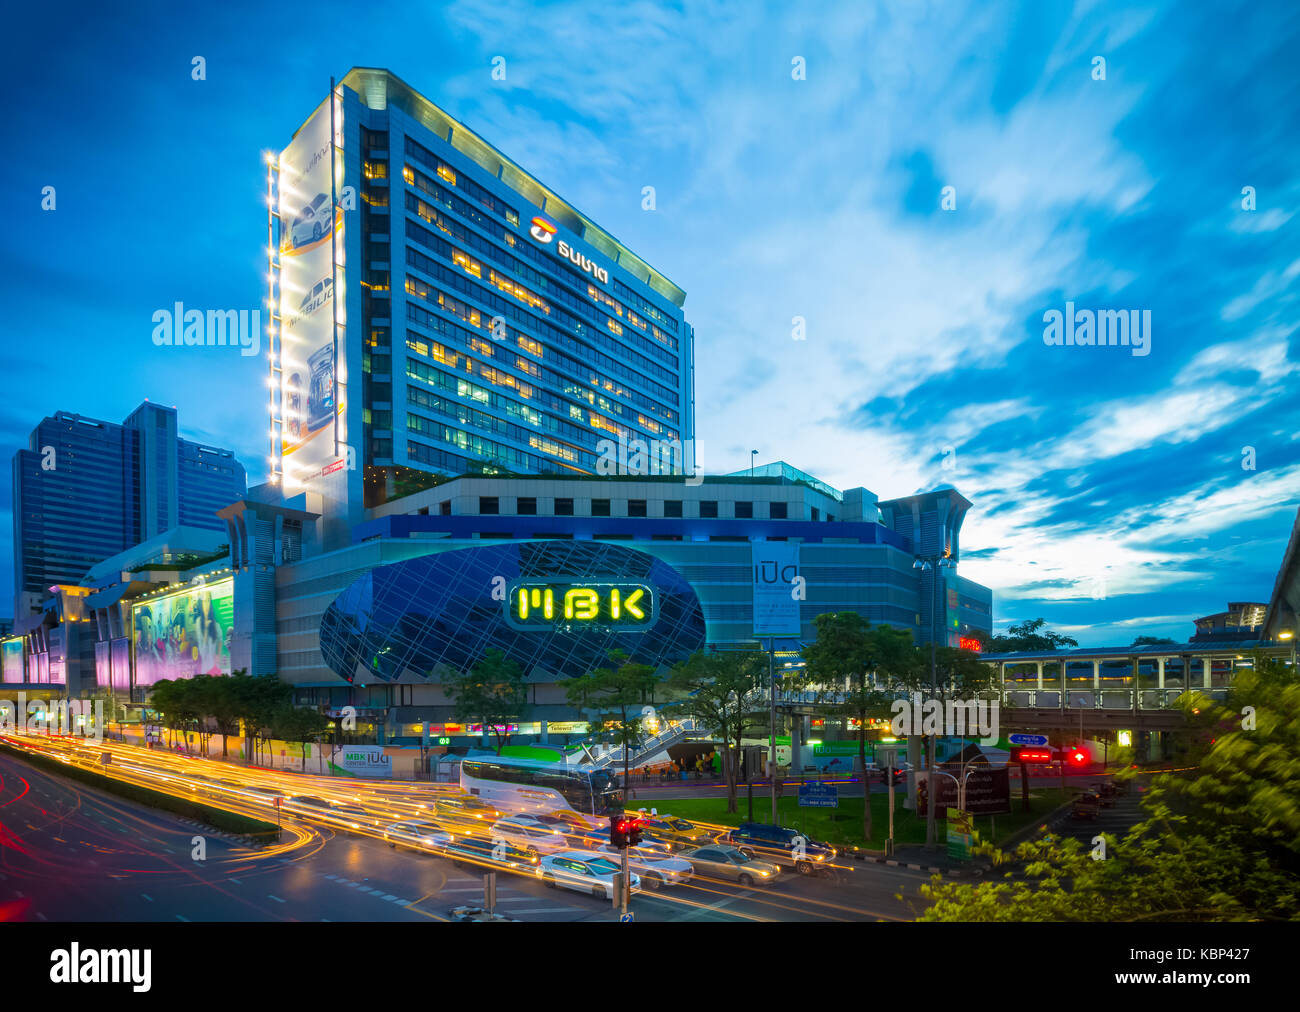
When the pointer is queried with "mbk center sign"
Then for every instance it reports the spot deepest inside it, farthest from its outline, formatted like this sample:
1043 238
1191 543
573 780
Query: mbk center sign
361 761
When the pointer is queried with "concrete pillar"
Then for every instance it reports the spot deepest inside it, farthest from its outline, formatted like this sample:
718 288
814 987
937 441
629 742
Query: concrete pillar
1205 672
798 735
1096 675
913 757
544 738
1160 676
1040 673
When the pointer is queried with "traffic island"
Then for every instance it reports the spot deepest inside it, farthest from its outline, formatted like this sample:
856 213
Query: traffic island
479 914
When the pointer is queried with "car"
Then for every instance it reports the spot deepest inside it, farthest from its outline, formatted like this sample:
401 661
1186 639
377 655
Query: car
320 395
567 823
530 835
480 850
672 830
655 868
427 837
1085 806
347 815
312 222
465 811
584 871
731 863
780 845
264 795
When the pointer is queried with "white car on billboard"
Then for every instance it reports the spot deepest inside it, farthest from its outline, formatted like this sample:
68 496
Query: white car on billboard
312 222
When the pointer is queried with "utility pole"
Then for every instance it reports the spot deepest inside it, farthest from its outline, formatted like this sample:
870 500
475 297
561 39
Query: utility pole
934 564
771 748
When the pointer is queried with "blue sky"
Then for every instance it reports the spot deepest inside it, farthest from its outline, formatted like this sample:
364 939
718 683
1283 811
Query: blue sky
1092 471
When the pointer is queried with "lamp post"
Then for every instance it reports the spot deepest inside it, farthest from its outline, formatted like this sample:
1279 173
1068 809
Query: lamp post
752 455
932 564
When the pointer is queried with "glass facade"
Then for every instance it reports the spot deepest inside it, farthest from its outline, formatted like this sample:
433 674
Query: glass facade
448 608
505 333
86 489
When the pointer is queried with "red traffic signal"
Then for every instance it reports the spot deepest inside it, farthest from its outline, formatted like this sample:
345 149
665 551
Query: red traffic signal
1032 754
1077 756
624 831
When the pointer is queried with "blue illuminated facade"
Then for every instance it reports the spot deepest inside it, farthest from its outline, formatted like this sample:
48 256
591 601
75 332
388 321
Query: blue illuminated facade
492 327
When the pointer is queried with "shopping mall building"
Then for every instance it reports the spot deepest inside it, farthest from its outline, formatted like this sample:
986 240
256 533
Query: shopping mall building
482 408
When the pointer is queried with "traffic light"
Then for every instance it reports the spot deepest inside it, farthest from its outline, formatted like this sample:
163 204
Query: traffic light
1077 756
634 833
1032 754
620 830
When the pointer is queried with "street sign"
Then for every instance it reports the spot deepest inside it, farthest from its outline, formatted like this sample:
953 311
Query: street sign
961 834
818 795
1027 739
625 918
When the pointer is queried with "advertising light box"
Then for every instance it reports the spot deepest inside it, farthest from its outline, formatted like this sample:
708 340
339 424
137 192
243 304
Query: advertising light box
184 634
311 225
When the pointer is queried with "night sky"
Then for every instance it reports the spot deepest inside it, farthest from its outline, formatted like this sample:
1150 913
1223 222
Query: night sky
1109 490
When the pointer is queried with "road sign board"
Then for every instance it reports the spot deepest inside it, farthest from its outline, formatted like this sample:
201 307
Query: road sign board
1027 739
818 795
625 918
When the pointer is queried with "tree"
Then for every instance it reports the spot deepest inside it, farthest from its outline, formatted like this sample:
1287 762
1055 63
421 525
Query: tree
299 724
1025 636
1152 641
1223 844
492 694
177 702
871 660
616 691
254 700
215 699
722 689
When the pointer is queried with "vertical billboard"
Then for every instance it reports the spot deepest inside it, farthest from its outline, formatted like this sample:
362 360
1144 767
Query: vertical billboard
184 634
776 588
311 228
11 656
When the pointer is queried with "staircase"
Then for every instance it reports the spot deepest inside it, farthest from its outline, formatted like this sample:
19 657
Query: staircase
646 750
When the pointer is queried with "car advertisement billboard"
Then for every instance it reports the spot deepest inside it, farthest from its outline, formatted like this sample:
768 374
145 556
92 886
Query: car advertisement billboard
184 634
310 227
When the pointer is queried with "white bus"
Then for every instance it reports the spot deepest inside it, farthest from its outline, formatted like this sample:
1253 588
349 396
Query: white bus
537 787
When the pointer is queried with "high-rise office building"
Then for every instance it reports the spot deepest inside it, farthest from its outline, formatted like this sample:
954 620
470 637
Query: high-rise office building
440 312
86 489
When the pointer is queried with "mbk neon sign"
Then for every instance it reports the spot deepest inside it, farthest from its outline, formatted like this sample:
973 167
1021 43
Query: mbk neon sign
546 605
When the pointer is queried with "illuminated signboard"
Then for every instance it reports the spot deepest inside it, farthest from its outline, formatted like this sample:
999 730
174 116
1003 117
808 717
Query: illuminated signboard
184 634
617 605
969 643
544 231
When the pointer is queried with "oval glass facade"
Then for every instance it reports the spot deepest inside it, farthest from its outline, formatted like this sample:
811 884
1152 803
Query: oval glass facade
441 609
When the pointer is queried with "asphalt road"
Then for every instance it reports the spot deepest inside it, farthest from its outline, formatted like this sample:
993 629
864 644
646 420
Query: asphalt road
69 852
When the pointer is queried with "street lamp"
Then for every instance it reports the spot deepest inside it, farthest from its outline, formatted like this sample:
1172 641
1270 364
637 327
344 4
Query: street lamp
932 563
752 455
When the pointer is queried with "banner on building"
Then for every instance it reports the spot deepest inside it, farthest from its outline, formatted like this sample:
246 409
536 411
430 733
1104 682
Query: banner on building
778 588
311 225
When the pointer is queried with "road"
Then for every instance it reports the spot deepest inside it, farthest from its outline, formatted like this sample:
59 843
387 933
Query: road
69 852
